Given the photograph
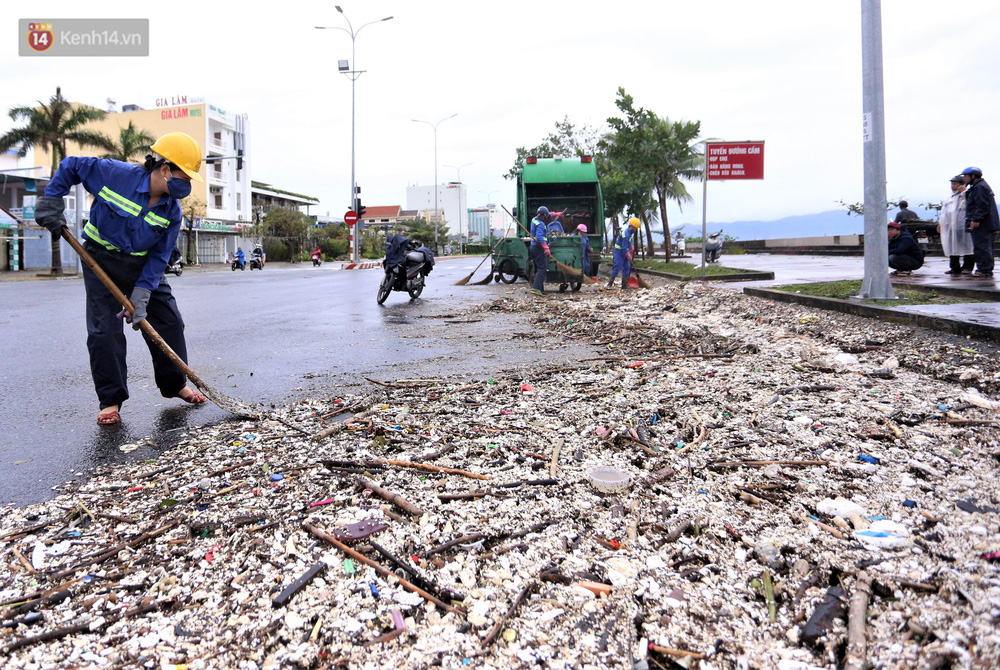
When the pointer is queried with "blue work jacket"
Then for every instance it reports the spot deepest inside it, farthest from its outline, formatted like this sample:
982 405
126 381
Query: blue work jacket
120 216
538 231
624 242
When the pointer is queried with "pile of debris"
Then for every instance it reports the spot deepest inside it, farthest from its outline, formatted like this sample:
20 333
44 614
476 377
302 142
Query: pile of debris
726 482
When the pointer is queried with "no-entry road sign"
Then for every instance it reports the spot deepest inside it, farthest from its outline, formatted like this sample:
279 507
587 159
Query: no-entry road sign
351 217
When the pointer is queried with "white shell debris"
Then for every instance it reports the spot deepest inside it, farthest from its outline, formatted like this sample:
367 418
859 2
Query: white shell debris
741 423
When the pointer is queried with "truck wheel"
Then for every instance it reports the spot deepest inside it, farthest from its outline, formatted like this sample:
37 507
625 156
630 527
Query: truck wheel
508 272
563 287
576 286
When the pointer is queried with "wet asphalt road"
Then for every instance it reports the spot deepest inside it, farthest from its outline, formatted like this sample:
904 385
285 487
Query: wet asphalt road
269 337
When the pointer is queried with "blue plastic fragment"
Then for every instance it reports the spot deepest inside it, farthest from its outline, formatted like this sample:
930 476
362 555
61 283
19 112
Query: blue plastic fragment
943 408
814 518
909 503
876 533
869 459
703 491
374 590
876 518
656 419
277 478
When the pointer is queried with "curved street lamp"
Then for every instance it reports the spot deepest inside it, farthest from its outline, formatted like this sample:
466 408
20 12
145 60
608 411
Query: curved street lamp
353 75
435 127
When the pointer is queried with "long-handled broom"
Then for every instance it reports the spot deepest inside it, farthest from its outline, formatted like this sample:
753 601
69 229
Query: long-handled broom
465 280
237 407
565 269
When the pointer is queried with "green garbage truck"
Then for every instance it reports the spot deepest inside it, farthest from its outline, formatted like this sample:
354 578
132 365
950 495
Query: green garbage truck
568 185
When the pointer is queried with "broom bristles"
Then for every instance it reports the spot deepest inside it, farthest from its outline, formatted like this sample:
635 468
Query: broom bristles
567 269
464 280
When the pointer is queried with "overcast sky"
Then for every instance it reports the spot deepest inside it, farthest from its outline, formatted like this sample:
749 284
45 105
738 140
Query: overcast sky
786 72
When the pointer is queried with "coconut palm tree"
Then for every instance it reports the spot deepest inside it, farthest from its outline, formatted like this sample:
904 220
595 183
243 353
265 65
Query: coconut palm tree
673 156
131 142
50 127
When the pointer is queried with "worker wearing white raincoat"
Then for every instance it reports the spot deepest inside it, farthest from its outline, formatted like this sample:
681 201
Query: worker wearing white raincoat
955 239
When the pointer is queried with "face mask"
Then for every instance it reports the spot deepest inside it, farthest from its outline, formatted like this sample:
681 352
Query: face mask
178 188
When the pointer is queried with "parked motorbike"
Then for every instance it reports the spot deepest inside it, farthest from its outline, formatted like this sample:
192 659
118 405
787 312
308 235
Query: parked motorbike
255 263
406 265
713 247
174 265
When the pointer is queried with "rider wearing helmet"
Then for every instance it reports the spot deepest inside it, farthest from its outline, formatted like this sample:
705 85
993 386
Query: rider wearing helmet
539 250
258 253
624 245
981 220
134 222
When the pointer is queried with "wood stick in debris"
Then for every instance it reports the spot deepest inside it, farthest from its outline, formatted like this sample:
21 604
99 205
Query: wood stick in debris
498 626
342 425
554 465
389 496
761 464
432 468
465 539
680 653
113 551
857 643
388 574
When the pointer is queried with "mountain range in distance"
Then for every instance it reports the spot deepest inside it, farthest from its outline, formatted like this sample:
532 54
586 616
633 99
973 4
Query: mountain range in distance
833 222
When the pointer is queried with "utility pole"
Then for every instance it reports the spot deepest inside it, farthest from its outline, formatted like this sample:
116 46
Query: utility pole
876 283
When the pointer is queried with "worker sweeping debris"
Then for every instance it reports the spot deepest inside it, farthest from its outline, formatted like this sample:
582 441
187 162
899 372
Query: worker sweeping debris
133 226
624 248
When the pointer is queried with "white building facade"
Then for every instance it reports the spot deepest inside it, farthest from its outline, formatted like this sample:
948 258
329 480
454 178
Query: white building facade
451 202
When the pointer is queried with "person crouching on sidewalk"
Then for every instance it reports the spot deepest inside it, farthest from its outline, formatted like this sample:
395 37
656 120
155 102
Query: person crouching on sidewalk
905 255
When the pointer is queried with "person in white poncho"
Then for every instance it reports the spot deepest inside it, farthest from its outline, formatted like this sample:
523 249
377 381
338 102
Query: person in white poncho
955 239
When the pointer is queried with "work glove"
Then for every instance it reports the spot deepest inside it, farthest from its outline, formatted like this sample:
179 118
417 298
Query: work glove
628 256
49 213
139 299
545 248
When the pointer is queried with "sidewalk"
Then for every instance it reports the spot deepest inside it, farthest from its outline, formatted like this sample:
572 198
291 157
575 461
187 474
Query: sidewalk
809 269
40 274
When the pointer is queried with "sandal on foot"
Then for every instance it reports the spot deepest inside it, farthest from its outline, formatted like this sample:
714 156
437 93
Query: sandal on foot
194 398
109 418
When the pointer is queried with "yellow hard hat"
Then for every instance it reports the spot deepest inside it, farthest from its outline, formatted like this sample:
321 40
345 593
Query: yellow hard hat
634 222
183 151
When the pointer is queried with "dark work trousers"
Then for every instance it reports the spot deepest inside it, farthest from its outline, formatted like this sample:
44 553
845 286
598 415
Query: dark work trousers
105 331
960 264
904 263
541 262
982 249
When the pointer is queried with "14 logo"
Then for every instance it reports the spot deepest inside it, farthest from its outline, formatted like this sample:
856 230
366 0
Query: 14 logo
40 36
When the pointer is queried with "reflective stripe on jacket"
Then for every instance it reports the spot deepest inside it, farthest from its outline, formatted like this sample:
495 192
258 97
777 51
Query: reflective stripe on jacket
120 216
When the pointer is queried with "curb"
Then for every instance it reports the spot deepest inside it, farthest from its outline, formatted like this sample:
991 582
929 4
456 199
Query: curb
939 323
734 276
361 266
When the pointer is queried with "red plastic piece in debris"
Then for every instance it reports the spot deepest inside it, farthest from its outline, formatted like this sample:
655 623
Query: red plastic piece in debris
526 387
615 543
135 488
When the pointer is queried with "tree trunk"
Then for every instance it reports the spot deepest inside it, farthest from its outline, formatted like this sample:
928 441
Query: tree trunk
662 197
650 248
615 231
56 238
190 243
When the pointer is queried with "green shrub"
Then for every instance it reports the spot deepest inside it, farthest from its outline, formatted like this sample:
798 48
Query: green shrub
276 250
332 248
476 249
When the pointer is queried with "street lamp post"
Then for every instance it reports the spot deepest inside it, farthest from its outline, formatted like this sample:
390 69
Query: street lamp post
461 210
435 127
353 75
489 217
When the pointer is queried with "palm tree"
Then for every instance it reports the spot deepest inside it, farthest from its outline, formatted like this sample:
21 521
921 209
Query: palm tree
673 156
131 141
50 127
